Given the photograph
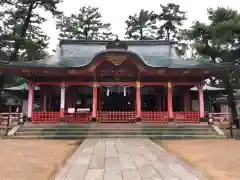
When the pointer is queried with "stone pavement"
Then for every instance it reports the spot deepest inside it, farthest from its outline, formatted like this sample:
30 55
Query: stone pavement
125 159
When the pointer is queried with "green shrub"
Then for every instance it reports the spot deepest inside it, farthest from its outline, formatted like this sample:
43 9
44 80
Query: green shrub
205 119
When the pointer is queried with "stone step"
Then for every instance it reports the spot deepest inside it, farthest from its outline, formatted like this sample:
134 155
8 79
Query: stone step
120 136
116 132
76 131
115 126
112 129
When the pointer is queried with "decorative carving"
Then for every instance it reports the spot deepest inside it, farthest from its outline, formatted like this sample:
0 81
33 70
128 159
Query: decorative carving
169 85
116 60
72 71
25 71
138 85
161 71
46 72
95 85
186 72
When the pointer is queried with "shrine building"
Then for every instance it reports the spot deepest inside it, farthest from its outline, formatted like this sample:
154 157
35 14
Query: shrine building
114 81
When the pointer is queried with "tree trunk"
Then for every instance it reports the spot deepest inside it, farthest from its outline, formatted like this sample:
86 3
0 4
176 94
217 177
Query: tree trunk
231 103
22 34
141 34
168 34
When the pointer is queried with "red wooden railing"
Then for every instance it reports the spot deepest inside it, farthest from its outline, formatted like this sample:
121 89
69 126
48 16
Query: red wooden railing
77 118
186 117
116 116
45 117
155 117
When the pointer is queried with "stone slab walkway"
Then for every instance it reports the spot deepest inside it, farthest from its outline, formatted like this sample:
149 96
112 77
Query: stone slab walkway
125 159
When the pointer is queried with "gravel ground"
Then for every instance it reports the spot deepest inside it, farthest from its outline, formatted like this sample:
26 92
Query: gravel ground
33 159
219 159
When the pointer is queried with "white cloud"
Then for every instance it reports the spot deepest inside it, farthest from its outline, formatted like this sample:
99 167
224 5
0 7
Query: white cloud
116 12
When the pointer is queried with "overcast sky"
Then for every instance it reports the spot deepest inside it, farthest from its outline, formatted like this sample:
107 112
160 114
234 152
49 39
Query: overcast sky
116 12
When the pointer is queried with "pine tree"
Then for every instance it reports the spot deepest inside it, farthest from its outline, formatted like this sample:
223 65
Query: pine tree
141 26
171 19
22 26
86 24
20 32
219 41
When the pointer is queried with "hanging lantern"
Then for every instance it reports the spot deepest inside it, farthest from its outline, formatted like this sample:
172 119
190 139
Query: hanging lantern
124 91
108 91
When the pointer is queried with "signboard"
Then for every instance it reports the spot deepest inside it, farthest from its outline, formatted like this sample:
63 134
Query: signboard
71 110
83 110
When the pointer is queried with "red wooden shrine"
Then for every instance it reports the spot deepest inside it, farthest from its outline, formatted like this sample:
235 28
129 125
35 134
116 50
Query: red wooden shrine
114 81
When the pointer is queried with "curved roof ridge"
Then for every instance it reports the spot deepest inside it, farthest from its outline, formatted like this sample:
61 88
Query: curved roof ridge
129 42
116 50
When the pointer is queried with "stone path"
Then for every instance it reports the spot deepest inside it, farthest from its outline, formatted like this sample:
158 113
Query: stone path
125 159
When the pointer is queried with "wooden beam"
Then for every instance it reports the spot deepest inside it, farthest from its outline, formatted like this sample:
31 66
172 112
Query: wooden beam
47 83
185 83
118 83
79 83
154 83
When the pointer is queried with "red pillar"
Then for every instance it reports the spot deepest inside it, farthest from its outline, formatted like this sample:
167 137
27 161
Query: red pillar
99 99
187 101
62 101
170 109
201 101
138 99
94 104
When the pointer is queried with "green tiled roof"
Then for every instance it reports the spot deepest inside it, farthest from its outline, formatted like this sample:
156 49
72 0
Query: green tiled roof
23 87
80 53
